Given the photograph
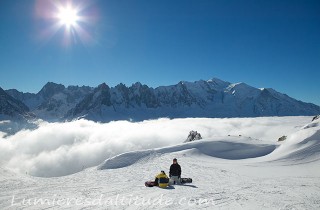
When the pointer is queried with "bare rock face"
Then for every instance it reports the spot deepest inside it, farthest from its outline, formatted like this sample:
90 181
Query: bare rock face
193 136
316 117
282 138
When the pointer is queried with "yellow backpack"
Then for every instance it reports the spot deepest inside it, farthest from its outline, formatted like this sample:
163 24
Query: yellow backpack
163 180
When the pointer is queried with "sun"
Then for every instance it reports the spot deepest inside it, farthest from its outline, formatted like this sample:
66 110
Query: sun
73 22
68 16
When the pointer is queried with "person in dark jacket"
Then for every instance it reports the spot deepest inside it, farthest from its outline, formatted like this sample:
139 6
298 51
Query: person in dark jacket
175 172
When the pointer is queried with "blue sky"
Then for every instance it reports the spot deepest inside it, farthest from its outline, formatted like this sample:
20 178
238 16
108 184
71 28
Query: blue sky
269 43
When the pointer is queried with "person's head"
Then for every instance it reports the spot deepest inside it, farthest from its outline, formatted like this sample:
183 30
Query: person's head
175 161
163 172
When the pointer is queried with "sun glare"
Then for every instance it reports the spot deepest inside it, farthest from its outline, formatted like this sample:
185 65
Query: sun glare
73 23
68 16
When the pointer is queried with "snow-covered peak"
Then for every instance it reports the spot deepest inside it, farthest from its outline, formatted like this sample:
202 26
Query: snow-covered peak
50 89
242 90
136 85
103 86
211 98
12 108
240 85
218 82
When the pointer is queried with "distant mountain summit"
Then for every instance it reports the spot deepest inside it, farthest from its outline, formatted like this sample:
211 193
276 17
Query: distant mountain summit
211 98
53 101
11 108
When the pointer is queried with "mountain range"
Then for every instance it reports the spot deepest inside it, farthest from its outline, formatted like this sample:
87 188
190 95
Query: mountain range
211 98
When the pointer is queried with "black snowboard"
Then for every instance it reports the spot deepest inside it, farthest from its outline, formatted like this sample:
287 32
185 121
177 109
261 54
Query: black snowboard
186 180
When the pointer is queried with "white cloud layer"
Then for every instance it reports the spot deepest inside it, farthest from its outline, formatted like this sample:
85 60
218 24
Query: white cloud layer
57 149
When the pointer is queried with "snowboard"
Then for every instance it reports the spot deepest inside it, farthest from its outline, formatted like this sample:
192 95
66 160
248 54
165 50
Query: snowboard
183 181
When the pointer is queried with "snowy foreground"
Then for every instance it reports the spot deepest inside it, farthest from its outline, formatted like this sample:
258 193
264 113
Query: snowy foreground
251 171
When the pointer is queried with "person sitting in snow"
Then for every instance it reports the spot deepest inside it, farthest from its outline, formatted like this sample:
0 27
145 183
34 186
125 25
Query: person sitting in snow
161 180
175 172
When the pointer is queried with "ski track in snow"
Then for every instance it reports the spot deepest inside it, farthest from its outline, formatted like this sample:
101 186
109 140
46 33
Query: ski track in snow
286 178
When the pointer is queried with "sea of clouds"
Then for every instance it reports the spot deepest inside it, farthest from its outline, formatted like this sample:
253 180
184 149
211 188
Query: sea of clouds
57 149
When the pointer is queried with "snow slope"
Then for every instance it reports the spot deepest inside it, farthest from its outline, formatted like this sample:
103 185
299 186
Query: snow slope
58 149
229 172
302 146
230 148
